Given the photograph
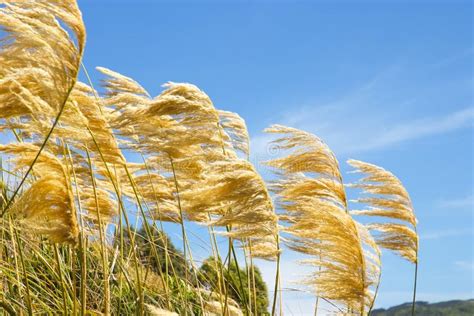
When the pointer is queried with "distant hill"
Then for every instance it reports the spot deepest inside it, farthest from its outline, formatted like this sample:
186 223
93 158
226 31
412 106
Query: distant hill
449 308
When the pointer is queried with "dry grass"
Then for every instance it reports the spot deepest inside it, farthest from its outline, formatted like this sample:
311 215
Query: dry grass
71 202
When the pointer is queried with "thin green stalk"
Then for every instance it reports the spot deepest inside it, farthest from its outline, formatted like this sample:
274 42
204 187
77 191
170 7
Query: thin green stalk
147 229
82 240
163 237
125 216
61 279
277 276
74 289
183 231
219 272
252 267
244 297
228 273
103 249
121 206
316 306
414 289
181 216
218 262
15 256
376 292
249 281
121 252
25 276
83 247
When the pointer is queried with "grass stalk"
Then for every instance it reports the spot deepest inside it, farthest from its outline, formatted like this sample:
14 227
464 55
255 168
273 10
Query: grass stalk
414 289
376 292
82 240
218 263
229 256
103 246
277 276
61 279
244 297
148 231
183 232
123 213
74 280
252 270
25 275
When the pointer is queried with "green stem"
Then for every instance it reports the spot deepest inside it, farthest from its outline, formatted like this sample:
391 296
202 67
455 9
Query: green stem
148 231
316 306
141 306
376 292
184 235
244 297
181 221
252 267
102 231
82 239
228 281
277 277
168 261
61 279
414 289
25 276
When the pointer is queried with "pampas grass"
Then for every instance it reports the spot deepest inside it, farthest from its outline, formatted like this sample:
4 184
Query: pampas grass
311 193
389 199
69 195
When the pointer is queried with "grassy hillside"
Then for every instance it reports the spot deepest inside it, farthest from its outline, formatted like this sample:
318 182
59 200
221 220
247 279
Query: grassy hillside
449 308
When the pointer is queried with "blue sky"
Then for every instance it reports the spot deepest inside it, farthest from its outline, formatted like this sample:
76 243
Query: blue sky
388 82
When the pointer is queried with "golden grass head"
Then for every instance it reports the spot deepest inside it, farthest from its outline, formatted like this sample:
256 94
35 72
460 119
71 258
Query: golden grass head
235 128
309 154
312 195
234 194
388 198
40 56
47 205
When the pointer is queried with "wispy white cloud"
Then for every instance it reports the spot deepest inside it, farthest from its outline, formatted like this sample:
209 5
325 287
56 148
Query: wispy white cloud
420 128
349 132
453 58
445 234
466 202
369 118
365 134
465 265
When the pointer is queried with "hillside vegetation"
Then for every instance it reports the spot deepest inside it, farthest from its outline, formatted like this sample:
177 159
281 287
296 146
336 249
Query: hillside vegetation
448 308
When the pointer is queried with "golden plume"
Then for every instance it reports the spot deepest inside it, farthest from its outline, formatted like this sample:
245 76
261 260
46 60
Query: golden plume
177 132
236 130
177 123
40 52
47 205
39 57
388 198
235 195
311 193
85 126
189 143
